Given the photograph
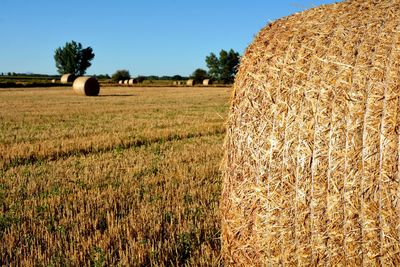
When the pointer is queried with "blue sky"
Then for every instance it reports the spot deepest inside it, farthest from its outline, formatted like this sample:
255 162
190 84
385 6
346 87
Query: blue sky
146 37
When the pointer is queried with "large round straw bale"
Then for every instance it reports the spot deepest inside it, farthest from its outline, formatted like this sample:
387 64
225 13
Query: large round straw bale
132 81
206 82
190 82
67 78
126 81
53 81
311 173
120 82
88 86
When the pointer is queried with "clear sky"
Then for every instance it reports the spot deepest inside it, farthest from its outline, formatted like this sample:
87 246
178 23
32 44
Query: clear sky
146 37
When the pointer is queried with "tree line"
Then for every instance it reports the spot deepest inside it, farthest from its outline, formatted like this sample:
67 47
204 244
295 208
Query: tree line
125 75
75 59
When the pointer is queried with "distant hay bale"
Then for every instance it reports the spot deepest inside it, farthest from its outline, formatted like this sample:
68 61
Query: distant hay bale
132 81
206 82
53 81
190 82
67 78
126 81
120 82
88 86
175 83
311 174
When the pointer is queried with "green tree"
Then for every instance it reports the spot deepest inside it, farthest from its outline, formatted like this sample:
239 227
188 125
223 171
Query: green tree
224 67
213 66
199 75
141 78
121 75
177 77
103 76
72 58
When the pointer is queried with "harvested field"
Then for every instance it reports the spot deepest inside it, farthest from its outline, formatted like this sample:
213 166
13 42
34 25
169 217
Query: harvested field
128 177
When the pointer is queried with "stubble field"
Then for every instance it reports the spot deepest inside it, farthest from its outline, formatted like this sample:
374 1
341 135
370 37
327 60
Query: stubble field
127 178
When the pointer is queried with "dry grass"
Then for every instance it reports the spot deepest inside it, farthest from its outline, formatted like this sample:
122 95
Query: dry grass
130 177
312 162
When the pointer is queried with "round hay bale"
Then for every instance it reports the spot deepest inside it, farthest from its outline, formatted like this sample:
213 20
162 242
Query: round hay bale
311 173
53 81
132 81
206 82
67 78
190 82
126 81
88 86
120 82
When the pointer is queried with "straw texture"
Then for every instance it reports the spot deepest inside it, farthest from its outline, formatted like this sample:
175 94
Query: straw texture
88 86
311 172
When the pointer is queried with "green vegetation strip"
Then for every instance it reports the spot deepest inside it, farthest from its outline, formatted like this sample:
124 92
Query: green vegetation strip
8 85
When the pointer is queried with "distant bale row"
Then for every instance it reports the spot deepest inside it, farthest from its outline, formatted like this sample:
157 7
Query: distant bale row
177 83
128 82
192 82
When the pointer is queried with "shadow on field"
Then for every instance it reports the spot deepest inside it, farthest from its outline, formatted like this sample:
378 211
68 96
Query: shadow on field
117 95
